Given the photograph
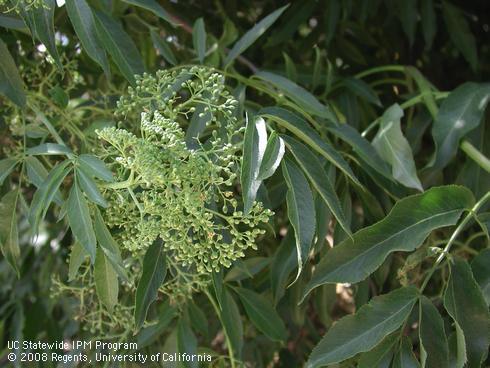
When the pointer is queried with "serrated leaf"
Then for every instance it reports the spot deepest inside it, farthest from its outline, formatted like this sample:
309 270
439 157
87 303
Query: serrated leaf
298 94
262 315
148 334
11 84
319 179
89 187
481 271
301 210
187 342
361 146
49 149
109 246
464 302
232 322
163 48
80 222
37 173
362 90
154 7
77 257
253 150
404 229
106 283
393 147
461 112
404 358
302 130
460 33
46 192
199 39
83 22
380 354
154 272
9 236
434 351
119 45
284 262
251 36
364 330
274 151
40 22
6 167
246 268
95 167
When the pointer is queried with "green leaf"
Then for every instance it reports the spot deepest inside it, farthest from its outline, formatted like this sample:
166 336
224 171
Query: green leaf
464 302
274 151
6 167
199 39
361 146
106 283
333 10
119 45
301 210
434 350
13 23
291 71
80 221
302 130
362 90
37 174
394 148
77 257
89 187
83 22
197 318
95 167
253 150
9 236
154 272
404 357
252 35
380 354
46 193
262 315
460 33
407 12
232 322
404 229
247 268
187 342
298 94
49 149
457 348
11 84
429 22
154 7
319 179
461 112
109 246
148 335
59 96
163 48
284 262
196 126
40 22
481 271
364 330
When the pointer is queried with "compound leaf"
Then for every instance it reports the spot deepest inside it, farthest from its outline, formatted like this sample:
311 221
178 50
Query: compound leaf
404 229
364 330
154 272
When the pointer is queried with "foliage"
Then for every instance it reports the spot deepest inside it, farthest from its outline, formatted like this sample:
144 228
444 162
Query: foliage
274 185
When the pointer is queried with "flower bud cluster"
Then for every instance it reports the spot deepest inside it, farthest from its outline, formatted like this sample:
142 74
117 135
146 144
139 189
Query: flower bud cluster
184 196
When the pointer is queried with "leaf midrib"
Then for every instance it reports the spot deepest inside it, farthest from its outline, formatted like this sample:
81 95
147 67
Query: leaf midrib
361 336
392 236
